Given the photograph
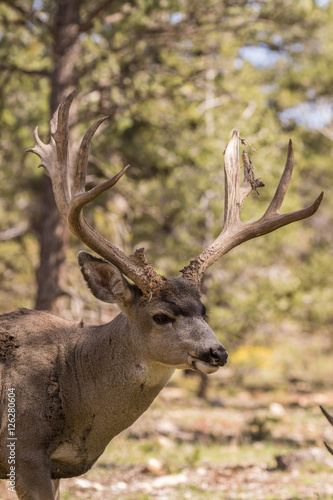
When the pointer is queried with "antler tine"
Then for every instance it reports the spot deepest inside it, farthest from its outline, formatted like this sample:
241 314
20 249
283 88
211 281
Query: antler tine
284 182
54 158
232 204
270 223
59 121
82 198
234 231
60 134
83 155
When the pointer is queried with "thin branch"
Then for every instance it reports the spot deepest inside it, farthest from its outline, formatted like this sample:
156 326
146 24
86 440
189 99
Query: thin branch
86 24
28 15
13 232
13 67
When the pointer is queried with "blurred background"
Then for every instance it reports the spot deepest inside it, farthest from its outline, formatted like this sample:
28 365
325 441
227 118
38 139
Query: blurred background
176 77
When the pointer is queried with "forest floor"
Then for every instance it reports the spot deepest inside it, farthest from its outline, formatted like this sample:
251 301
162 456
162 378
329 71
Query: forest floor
261 442
219 449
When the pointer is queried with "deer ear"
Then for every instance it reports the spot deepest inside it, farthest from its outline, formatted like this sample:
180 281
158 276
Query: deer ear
105 280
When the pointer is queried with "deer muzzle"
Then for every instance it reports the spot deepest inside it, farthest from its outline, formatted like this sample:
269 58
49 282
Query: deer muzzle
208 361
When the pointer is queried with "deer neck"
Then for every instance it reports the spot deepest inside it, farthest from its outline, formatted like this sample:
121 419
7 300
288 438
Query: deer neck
115 384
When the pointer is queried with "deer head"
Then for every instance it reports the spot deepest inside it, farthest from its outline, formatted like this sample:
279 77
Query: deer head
107 278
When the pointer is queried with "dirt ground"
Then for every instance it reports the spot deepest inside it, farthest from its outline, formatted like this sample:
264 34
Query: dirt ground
214 482
220 482
217 449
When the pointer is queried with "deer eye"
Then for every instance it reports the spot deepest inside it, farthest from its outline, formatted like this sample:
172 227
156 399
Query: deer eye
162 319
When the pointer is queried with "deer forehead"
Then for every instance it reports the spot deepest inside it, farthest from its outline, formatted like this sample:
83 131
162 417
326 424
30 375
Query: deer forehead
186 308
178 297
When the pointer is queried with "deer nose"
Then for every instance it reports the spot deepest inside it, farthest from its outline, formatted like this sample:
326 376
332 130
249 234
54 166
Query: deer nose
219 356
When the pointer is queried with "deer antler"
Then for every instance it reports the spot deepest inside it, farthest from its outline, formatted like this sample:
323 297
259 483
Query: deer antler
234 231
70 202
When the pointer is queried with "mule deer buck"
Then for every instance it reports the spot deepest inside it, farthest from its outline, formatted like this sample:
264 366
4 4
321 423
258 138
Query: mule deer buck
75 387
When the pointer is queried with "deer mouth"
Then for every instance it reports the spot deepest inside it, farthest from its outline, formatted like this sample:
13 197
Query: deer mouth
208 361
202 366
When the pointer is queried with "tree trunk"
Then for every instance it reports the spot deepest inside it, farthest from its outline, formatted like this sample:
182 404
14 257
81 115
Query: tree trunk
53 233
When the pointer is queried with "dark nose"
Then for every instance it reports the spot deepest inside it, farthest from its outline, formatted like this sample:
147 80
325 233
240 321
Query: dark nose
219 356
